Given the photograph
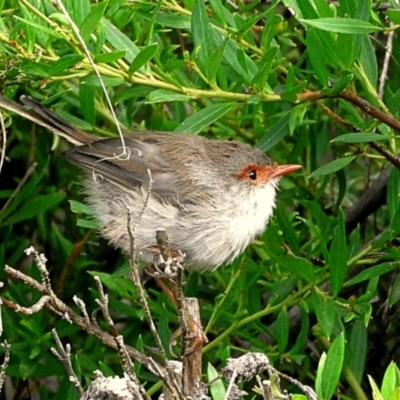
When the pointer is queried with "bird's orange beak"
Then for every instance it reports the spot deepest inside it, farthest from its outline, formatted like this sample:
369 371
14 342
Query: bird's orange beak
280 170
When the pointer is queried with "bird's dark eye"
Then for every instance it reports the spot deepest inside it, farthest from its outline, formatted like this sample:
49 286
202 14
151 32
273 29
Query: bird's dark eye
253 174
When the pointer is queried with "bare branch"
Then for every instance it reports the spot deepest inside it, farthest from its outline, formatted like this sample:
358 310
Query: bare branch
64 356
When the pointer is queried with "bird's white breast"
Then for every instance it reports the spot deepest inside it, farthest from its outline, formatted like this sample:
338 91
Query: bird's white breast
235 223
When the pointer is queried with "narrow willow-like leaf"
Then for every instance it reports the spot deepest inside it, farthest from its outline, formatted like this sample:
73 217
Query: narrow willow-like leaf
316 54
325 310
86 98
332 368
338 256
92 20
120 41
368 60
282 330
109 57
201 31
274 134
163 95
333 166
372 272
394 295
359 137
64 63
143 57
342 25
198 121
259 81
49 31
109 81
358 349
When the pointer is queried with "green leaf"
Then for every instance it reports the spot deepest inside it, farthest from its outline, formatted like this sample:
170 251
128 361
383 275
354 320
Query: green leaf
35 207
78 10
391 380
392 195
320 370
368 61
201 31
358 349
342 25
359 137
282 330
198 121
214 62
78 207
394 294
92 20
49 31
333 166
372 272
87 224
323 9
219 11
281 290
269 31
246 68
217 388
64 63
109 57
109 81
143 57
298 266
275 133
120 41
316 52
376 394
339 85
307 9
259 81
121 285
29 33
175 21
86 98
363 10
288 230
296 116
395 222
338 256
395 395
163 95
302 338
134 92
326 312
394 15
332 368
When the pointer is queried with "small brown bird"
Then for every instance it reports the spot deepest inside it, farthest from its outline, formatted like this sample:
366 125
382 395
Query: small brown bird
212 197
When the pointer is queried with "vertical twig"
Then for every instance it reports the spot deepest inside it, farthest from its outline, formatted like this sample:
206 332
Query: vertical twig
3 141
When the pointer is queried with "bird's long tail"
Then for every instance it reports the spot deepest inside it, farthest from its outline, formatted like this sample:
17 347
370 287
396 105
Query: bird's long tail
43 116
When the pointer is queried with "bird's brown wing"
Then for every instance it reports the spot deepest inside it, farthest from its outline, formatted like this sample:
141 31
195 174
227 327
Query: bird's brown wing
105 159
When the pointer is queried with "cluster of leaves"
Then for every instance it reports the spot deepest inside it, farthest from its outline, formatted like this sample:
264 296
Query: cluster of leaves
320 290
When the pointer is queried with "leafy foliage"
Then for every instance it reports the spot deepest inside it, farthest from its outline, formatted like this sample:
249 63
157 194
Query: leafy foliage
319 291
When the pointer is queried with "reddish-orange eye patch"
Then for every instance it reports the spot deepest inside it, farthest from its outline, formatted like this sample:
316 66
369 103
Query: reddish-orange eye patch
256 174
